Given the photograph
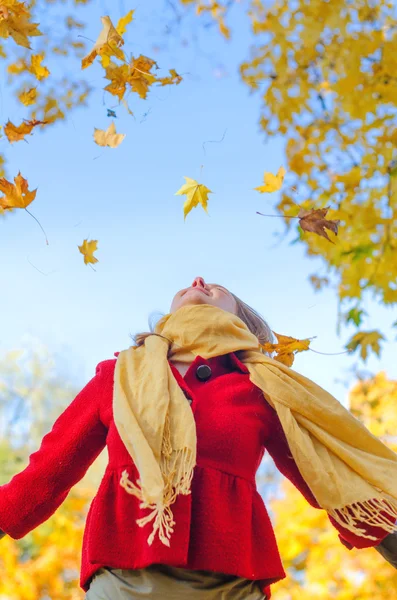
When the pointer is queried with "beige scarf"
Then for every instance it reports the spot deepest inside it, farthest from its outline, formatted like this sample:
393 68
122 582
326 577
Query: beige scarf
351 473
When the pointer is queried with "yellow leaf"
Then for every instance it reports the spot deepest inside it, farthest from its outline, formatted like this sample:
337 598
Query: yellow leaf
14 22
173 78
195 193
87 249
36 67
109 41
140 77
109 137
286 348
272 183
16 195
124 21
28 97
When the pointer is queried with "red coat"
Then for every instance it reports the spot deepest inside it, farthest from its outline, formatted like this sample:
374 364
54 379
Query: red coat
223 525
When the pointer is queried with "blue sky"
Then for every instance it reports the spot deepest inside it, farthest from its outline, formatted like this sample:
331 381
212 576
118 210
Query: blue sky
125 199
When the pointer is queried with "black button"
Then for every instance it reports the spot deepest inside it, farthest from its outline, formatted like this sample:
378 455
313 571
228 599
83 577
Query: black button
203 372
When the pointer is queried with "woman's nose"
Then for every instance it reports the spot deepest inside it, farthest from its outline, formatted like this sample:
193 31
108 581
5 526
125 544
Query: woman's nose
198 282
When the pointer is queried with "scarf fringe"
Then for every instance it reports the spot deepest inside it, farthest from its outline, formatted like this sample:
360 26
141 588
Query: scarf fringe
376 512
177 470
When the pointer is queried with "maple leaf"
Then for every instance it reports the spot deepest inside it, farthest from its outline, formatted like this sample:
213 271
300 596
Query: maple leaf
365 340
124 21
118 75
286 348
15 133
195 193
36 68
272 183
87 249
315 221
107 44
28 97
173 78
14 22
16 195
140 77
109 137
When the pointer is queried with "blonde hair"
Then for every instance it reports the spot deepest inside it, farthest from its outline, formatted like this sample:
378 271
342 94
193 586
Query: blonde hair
254 321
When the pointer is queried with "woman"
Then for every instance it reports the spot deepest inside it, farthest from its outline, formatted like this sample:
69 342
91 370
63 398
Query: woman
213 537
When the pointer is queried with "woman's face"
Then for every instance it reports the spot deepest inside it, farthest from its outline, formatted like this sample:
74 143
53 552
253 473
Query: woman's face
204 293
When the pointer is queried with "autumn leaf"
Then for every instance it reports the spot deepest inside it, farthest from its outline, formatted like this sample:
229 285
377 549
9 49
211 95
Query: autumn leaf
195 193
140 77
355 315
16 195
15 133
124 21
365 340
272 183
108 43
314 220
36 68
15 22
173 78
87 249
28 97
109 137
286 348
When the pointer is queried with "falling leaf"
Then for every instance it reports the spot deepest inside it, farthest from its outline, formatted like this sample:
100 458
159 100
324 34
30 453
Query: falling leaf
15 22
111 113
15 133
108 43
272 183
16 195
286 348
36 68
365 340
140 77
28 97
173 78
355 315
124 21
87 249
109 137
195 193
315 221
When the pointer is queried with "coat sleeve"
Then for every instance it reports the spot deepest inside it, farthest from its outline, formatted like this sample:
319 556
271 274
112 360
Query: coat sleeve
65 454
278 448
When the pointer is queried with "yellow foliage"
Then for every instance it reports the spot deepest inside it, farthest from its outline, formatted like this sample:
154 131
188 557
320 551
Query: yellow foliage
331 66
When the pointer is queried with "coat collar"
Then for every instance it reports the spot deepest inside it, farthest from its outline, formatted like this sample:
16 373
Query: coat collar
236 362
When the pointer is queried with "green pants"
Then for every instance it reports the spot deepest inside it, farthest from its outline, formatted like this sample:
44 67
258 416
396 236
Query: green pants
160 582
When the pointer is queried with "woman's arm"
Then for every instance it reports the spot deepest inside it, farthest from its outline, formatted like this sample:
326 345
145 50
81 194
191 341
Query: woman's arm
388 548
66 452
278 448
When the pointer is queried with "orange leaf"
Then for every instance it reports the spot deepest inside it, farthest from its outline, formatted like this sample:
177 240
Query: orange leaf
286 348
15 133
16 196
